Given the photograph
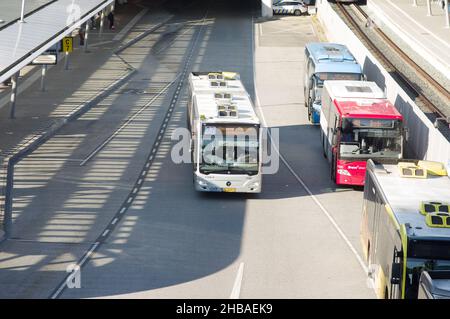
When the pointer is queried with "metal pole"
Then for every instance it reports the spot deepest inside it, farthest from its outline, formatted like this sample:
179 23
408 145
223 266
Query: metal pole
22 13
66 61
86 35
429 7
14 80
9 198
44 71
102 20
415 3
447 14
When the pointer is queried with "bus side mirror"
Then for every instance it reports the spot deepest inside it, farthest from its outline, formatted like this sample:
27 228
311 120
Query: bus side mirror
396 273
334 137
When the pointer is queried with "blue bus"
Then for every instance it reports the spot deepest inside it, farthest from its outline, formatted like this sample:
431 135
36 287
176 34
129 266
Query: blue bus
326 61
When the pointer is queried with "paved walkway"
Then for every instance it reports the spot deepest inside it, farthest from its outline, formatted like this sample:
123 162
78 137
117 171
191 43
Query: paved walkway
90 74
427 35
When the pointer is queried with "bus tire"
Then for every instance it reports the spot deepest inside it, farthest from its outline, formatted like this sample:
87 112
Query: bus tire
297 13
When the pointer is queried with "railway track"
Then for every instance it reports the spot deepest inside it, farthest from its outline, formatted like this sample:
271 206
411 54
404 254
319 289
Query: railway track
432 97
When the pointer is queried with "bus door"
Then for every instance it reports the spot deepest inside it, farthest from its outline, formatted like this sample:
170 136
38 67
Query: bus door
309 71
333 137
396 274
374 259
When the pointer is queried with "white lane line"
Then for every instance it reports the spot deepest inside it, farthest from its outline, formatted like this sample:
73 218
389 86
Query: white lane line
300 180
114 221
122 210
237 283
130 24
105 233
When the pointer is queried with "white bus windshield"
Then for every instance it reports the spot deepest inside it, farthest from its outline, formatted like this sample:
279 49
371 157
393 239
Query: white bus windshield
371 138
230 149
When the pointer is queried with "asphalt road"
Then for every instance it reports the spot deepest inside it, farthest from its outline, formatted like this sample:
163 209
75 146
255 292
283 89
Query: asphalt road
154 236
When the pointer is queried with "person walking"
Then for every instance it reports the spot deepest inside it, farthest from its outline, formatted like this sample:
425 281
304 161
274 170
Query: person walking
81 33
111 20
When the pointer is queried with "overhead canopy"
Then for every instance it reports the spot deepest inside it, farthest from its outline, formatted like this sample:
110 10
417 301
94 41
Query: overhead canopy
20 43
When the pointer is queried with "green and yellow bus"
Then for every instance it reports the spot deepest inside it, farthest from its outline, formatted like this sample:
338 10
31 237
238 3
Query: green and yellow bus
405 226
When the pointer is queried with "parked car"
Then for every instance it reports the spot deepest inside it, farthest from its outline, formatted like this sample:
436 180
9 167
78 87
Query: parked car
290 7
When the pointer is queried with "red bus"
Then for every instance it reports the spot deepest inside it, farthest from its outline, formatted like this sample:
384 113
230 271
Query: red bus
358 123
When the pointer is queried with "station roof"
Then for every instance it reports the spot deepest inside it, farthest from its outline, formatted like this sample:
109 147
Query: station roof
21 43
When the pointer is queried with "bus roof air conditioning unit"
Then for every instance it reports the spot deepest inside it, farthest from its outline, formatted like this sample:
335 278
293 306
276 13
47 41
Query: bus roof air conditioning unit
227 110
215 76
218 84
223 96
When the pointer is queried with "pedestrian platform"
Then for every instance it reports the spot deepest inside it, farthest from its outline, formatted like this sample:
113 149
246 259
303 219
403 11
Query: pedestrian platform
427 35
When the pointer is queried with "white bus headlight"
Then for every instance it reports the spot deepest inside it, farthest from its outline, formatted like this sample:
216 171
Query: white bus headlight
201 183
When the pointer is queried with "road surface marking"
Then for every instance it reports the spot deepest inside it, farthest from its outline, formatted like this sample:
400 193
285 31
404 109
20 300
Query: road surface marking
237 283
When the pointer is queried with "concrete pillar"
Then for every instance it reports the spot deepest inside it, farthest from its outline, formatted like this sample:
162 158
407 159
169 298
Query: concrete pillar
429 7
266 8
415 3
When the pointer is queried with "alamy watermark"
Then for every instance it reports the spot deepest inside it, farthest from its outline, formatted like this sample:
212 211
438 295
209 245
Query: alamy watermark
240 147
74 278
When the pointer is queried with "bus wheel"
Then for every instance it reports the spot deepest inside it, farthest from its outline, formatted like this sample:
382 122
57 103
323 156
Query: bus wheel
297 12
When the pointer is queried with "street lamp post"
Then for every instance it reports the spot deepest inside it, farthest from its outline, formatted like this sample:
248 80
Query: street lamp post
22 13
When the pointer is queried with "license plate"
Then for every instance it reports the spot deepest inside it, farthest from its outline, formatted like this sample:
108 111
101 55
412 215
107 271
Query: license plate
229 190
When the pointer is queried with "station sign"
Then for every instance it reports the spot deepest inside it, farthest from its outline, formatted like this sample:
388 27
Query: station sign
67 44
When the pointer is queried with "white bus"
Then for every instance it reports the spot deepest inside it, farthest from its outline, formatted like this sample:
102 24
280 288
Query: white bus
226 148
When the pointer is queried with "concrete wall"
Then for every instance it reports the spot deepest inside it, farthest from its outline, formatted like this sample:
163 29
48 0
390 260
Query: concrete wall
425 141
266 8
